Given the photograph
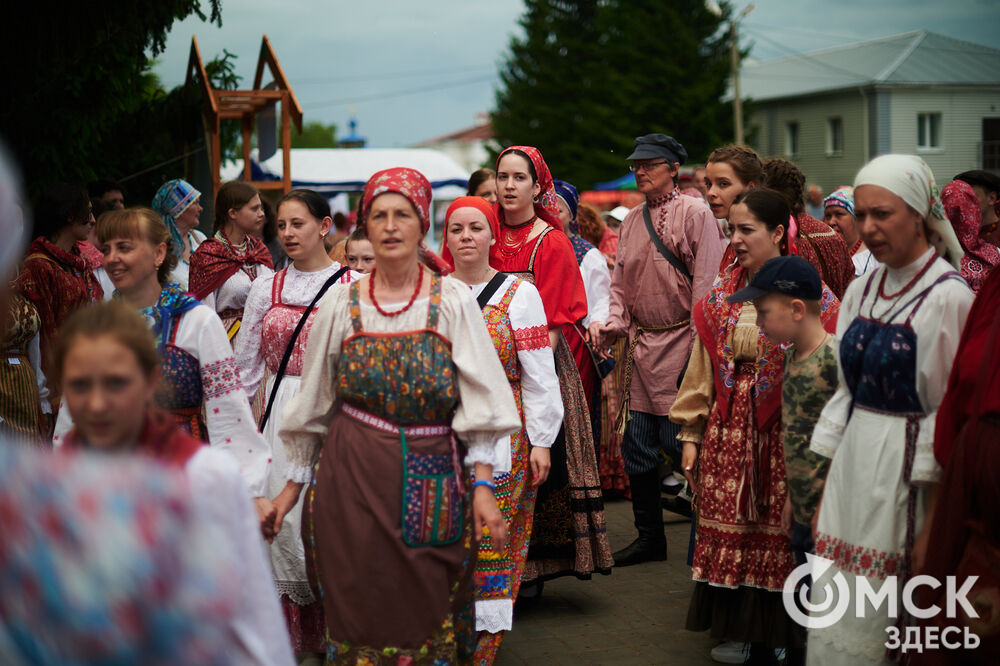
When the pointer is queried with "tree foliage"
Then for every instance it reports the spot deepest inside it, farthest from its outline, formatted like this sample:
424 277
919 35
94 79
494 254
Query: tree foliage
315 135
588 76
79 100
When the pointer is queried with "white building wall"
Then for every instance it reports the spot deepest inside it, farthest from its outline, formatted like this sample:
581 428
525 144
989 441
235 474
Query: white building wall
962 111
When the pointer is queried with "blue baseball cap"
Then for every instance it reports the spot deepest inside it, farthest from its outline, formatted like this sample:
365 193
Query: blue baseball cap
792 276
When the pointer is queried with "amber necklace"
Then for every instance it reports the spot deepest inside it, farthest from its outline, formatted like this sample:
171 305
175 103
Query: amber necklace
409 304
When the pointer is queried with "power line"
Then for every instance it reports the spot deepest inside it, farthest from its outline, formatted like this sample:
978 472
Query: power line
806 56
393 75
397 93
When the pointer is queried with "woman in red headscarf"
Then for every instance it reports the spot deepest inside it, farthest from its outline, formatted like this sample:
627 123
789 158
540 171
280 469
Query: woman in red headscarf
400 381
962 208
570 534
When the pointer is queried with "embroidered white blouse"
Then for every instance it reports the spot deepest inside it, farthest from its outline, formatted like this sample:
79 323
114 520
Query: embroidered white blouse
540 396
230 424
299 289
486 410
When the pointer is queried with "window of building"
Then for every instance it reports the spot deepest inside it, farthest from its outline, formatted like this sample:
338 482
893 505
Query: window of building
928 131
834 136
791 138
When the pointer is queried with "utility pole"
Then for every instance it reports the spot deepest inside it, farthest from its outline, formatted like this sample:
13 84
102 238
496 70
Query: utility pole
734 63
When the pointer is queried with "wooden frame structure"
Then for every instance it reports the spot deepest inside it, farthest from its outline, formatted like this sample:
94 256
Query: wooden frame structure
244 105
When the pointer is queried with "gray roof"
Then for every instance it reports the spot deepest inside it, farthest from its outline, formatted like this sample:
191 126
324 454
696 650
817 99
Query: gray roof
919 57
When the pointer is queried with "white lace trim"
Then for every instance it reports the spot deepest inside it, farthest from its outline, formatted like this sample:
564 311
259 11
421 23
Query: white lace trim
481 453
298 591
299 474
494 615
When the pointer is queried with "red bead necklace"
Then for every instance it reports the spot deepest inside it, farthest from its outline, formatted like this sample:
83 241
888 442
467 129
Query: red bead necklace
908 285
854 250
416 292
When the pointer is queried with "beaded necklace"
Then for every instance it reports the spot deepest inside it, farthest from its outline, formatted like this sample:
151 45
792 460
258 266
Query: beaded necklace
659 204
899 294
409 304
513 238
240 252
854 250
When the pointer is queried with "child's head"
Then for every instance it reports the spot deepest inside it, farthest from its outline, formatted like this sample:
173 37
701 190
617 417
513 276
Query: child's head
359 252
109 368
786 292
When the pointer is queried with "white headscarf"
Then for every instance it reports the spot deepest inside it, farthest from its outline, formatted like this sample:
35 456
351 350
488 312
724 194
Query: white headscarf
12 219
910 179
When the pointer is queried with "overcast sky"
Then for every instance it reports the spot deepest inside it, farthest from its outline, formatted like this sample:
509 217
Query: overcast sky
412 71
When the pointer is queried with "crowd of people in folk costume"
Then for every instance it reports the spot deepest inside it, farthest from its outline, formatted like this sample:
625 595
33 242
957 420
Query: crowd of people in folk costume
318 442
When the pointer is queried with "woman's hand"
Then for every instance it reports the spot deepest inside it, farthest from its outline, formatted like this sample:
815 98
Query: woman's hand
284 501
541 461
688 459
266 514
486 516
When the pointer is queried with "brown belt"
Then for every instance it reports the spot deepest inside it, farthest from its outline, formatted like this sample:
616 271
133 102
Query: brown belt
621 421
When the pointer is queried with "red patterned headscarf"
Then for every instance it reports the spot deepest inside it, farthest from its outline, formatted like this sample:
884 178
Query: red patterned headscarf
545 202
409 182
962 208
417 189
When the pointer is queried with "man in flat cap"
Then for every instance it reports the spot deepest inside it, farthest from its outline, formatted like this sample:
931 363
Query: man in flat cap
668 255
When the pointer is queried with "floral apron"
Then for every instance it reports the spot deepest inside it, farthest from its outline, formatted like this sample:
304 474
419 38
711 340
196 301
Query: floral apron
388 524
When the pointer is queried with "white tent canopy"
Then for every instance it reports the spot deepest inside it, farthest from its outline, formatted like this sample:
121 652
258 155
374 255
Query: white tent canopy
335 170
347 169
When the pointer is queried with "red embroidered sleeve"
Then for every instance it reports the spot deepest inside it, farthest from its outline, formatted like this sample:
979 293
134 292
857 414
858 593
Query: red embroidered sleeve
533 337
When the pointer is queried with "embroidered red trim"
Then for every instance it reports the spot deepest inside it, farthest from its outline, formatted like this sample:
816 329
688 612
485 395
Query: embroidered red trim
859 560
533 337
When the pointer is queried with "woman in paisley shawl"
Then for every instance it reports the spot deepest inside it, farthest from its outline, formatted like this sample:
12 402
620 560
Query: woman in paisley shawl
399 380
515 318
962 208
569 535
179 204
225 266
273 309
199 374
54 276
729 409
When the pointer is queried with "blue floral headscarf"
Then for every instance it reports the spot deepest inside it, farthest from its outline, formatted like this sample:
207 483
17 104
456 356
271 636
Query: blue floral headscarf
172 199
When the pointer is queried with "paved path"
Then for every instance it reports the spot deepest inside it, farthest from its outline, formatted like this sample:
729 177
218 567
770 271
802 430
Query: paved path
634 616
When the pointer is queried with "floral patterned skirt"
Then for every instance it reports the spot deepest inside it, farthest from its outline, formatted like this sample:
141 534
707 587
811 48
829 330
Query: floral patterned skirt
570 535
729 550
498 576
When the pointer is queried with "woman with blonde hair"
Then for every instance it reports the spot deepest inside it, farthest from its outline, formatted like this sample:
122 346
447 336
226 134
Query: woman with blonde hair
199 384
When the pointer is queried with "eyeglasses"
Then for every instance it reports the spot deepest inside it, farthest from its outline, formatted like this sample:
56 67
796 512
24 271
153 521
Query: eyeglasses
644 166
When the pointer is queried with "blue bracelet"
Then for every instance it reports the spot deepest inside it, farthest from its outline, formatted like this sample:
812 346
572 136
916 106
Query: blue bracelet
488 484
